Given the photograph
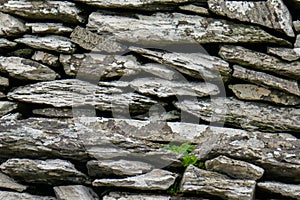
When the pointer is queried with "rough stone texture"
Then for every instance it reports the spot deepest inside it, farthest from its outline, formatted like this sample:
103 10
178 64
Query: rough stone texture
24 196
4 43
54 112
119 168
128 196
199 181
8 183
287 54
4 83
252 116
52 172
271 13
234 168
48 28
257 93
195 9
163 29
44 10
161 71
197 65
286 190
297 25
260 61
261 78
46 58
157 179
2 95
23 53
164 88
53 43
73 192
10 26
297 43
25 69
6 107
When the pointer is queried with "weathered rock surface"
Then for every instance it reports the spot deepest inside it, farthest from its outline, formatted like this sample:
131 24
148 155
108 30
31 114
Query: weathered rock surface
234 168
260 61
48 28
271 13
128 196
261 78
297 43
23 53
161 71
252 116
287 54
200 181
157 179
25 69
195 9
63 11
46 58
10 26
4 43
53 112
2 95
119 168
73 192
4 83
53 43
163 29
53 172
8 183
257 93
6 107
286 190
24 196
297 25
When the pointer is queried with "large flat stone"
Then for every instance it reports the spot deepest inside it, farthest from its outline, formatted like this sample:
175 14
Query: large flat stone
8 183
72 192
11 26
24 196
286 190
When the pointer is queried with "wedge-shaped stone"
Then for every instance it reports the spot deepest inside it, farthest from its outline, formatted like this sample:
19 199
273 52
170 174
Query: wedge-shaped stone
270 13
200 181
10 26
75 192
63 11
53 172
4 43
169 29
48 28
53 112
157 179
25 69
6 107
287 54
261 78
24 196
286 190
46 58
53 43
8 183
195 9
252 116
197 65
260 61
257 93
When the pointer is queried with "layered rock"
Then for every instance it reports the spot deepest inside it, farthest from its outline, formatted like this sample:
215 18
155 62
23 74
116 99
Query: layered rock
286 190
48 28
8 183
75 192
53 112
11 26
287 54
4 43
24 196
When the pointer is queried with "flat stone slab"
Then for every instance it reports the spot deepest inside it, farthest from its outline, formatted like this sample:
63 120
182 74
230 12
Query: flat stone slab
8 183
4 43
7 107
11 26
195 9
48 28
286 190
75 192
53 112
287 54
24 196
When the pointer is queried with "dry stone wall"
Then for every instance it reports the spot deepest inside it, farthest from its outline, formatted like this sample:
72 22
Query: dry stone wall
94 93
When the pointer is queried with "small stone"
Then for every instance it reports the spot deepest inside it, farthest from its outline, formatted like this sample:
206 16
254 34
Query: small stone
7 107
4 83
287 54
8 183
48 28
24 196
286 190
297 25
2 95
46 58
128 196
297 43
195 9
157 179
73 192
10 26
53 112
161 71
6 44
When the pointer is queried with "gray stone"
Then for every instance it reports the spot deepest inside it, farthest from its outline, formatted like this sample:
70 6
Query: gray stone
286 190
119 168
234 168
63 11
48 28
164 88
197 65
198 181
53 43
53 112
11 116
7 107
8 183
270 13
2 95
23 53
4 43
161 71
4 82
195 9
157 179
297 43
257 93
252 116
260 61
46 58
52 172
297 25
264 79
10 26
287 54
163 29
94 42
25 69
72 192
24 196
128 196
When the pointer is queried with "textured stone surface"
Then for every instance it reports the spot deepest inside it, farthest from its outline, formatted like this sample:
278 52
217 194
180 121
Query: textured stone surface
53 43
287 54
195 9
261 78
8 183
252 116
199 181
260 61
53 172
4 43
24 196
297 43
234 168
257 93
297 25
163 29
53 112
25 69
286 190
119 168
75 192
157 179
46 58
48 28
44 10
4 82
22 52
161 71
6 107
271 13
10 26
128 196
